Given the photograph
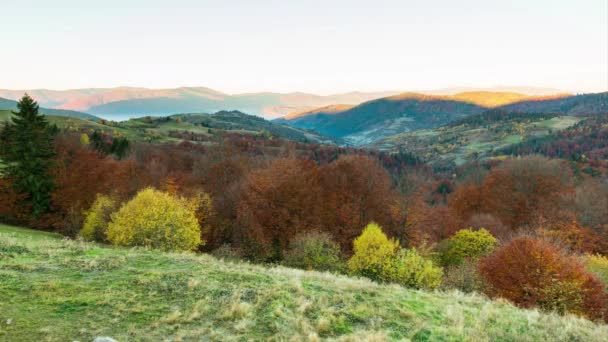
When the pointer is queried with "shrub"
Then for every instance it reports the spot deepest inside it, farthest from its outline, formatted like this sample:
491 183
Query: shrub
410 269
314 250
227 252
373 253
463 277
467 244
598 265
97 218
531 273
155 219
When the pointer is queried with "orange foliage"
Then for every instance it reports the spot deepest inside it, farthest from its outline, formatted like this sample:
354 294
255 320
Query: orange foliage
532 273
80 174
431 224
293 196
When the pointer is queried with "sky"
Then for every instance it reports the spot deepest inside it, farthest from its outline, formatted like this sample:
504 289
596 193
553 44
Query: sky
304 45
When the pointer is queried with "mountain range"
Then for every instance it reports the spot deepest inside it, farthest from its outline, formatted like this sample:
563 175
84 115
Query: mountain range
378 119
129 102
8 105
123 103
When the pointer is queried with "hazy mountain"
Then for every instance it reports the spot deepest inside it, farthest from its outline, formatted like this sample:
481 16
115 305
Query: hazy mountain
128 102
530 91
6 105
571 105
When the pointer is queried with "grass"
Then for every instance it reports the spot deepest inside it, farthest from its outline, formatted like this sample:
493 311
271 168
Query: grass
53 289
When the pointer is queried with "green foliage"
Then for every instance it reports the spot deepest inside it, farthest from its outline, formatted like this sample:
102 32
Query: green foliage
26 146
314 251
373 253
410 269
156 219
467 244
98 218
98 143
79 291
119 147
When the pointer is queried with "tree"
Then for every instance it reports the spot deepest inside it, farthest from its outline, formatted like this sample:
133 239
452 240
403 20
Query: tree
84 139
467 244
531 273
373 253
98 143
314 250
27 149
156 219
98 218
120 147
410 269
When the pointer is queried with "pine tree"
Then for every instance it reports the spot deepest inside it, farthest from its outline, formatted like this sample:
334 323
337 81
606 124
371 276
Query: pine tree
26 147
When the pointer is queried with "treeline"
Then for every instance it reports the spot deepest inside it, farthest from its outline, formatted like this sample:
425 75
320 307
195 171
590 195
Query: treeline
496 115
587 140
488 228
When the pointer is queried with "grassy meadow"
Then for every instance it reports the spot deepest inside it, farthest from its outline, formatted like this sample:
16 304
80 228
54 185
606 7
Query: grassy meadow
54 289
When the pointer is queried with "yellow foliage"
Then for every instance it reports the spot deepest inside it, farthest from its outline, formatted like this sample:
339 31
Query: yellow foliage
373 252
97 218
156 219
84 139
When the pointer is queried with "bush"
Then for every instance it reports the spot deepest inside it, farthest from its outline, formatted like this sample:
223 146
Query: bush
463 277
227 252
97 218
156 219
598 265
410 269
532 273
373 253
467 244
314 250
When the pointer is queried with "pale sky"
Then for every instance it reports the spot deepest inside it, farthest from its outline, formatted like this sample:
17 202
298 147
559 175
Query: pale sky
304 45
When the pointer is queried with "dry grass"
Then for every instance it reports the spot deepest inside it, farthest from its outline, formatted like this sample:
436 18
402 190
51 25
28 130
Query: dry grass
60 290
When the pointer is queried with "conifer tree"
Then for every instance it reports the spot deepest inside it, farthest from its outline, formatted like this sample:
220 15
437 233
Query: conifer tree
26 147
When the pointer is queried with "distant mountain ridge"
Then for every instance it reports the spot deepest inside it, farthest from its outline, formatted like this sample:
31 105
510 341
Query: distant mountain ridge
129 102
378 119
8 105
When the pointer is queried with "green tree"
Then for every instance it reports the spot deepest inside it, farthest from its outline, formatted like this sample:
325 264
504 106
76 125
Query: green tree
467 244
98 218
120 147
26 146
98 142
410 269
314 250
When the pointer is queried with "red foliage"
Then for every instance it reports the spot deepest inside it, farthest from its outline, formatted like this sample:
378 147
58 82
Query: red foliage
430 224
291 196
532 273
80 174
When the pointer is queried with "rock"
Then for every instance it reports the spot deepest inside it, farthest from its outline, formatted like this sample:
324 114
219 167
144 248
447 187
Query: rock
104 339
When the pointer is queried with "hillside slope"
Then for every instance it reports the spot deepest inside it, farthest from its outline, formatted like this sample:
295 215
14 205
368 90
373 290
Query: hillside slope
377 119
476 137
61 290
569 105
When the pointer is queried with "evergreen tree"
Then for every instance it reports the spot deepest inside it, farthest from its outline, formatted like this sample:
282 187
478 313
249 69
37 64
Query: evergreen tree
120 147
98 143
26 147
